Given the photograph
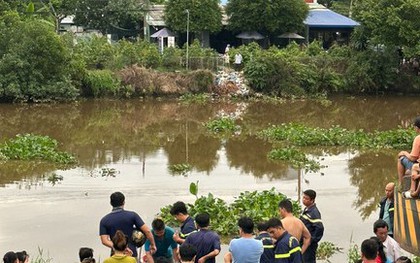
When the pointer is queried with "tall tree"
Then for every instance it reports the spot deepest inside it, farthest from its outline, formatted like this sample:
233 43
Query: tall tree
204 15
267 16
393 23
107 15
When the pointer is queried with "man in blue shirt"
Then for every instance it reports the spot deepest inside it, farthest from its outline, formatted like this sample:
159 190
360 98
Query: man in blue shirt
287 249
179 211
126 221
167 248
206 241
245 249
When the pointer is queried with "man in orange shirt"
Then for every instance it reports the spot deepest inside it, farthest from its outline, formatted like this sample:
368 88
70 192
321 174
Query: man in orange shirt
407 159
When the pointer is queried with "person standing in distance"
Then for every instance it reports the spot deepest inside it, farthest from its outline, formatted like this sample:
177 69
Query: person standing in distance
311 218
387 208
126 221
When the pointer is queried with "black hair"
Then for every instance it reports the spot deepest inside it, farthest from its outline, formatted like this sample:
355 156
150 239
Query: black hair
22 256
380 223
179 208
117 199
246 224
119 241
369 249
381 251
187 252
417 122
158 224
262 226
311 193
85 252
9 257
203 220
287 205
274 223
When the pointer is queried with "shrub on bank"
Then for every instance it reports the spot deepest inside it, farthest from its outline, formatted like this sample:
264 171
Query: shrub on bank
100 83
34 62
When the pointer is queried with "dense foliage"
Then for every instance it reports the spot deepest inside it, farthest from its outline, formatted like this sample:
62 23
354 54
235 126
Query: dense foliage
34 63
259 205
392 23
204 15
110 16
277 16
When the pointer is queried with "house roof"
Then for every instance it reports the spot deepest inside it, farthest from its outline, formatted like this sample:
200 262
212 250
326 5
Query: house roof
325 18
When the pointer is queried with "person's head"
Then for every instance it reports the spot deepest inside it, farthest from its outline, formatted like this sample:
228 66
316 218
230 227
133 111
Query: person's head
187 252
202 220
285 207
22 256
308 197
381 251
262 226
119 241
85 253
369 249
380 228
403 259
179 211
117 199
275 227
246 225
10 257
417 122
389 190
158 227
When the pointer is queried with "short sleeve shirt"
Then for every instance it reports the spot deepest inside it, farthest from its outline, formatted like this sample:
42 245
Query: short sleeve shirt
205 241
120 219
164 245
187 227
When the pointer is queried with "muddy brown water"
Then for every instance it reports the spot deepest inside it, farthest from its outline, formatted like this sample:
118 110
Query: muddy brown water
140 139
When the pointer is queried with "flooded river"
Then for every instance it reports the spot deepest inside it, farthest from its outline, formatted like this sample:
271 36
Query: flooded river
141 139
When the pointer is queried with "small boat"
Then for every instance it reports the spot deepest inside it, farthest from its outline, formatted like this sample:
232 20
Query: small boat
407 223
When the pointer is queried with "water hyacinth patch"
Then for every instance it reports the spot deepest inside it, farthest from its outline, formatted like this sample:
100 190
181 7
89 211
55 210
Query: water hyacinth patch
222 125
35 147
259 205
300 135
297 159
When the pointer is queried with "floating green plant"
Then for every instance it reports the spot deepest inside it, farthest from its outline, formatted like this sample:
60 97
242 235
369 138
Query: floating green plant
180 168
222 125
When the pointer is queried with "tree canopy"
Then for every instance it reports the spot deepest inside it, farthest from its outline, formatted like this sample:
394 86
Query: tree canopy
393 23
267 16
205 15
108 15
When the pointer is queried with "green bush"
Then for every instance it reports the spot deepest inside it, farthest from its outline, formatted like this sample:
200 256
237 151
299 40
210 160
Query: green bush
100 83
259 206
34 65
171 58
95 51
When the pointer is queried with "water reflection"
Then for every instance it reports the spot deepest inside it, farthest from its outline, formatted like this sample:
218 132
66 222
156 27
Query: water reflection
370 172
104 132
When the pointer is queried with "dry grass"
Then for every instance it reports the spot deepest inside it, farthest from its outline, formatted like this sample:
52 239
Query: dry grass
150 82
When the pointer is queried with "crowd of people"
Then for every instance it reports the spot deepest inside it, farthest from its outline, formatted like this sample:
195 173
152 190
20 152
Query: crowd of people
286 240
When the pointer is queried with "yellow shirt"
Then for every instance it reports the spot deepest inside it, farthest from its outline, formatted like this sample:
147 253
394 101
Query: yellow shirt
120 259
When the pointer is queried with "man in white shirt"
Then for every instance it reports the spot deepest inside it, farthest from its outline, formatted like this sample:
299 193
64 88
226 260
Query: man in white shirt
391 247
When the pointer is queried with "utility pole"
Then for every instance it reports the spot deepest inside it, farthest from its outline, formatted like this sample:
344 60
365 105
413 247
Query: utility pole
188 33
